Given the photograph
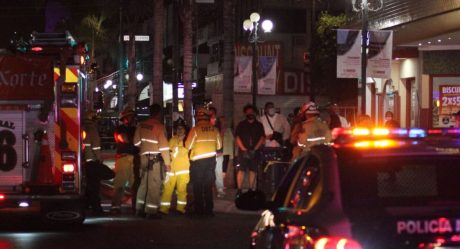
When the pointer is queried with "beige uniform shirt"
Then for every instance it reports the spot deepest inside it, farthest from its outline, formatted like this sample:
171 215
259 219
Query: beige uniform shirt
150 137
314 132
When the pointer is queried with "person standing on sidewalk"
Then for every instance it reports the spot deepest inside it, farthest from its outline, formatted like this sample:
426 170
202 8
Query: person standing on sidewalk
203 141
150 137
250 137
178 176
124 158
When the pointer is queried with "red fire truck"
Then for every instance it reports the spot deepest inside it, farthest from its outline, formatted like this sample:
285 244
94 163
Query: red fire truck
41 96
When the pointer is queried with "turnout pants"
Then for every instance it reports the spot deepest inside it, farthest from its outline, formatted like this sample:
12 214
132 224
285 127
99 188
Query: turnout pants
202 176
175 180
148 194
124 174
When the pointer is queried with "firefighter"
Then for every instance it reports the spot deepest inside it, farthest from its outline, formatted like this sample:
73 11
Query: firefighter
178 176
92 156
203 141
150 137
124 159
314 131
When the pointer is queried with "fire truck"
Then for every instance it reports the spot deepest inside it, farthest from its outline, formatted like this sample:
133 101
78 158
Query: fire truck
41 97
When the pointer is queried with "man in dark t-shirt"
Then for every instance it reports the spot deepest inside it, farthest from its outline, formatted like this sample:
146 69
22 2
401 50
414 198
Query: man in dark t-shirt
250 137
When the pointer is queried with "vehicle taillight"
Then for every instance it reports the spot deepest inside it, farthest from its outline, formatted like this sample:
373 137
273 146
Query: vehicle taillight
68 168
336 243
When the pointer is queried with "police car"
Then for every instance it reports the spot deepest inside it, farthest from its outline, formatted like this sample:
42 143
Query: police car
371 189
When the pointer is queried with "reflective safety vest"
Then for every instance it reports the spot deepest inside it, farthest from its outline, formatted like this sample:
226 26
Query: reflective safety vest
179 154
91 141
203 141
314 132
150 137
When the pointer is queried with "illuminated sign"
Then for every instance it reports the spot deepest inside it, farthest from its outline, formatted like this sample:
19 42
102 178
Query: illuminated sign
433 226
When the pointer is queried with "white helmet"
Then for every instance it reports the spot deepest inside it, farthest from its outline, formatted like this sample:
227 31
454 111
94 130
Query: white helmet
309 108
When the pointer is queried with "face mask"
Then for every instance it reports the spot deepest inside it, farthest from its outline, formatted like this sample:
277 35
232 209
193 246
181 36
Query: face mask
251 116
388 118
271 111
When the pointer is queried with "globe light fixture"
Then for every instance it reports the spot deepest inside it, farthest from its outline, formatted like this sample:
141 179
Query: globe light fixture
252 26
139 77
108 83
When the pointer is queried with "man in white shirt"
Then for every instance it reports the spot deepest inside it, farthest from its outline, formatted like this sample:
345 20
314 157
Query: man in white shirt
276 127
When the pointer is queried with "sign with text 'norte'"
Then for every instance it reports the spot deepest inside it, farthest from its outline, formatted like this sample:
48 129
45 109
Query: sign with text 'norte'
25 78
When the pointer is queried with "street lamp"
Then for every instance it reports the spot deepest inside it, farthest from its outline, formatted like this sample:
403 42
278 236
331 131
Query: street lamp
252 26
365 7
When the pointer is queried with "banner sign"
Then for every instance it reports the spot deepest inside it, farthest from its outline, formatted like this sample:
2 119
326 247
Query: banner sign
348 53
380 54
266 82
449 98
243 74
25 78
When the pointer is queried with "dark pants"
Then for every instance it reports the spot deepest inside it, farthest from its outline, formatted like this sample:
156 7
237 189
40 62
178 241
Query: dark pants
95 172
202 176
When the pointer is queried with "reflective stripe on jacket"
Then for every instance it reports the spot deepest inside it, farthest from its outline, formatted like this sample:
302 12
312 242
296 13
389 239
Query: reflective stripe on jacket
92 141
314 132
150 137
179 155
203 141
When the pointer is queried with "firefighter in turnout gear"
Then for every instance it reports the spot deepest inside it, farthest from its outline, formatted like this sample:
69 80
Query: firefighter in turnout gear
92 156
314 131
178 176
203 141
150 137
124 159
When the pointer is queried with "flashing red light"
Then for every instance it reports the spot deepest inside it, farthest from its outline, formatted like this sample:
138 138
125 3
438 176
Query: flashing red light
2 197
37 49
119 138
68 167
336 243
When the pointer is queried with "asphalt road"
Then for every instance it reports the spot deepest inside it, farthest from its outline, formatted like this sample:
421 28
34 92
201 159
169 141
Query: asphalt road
225 230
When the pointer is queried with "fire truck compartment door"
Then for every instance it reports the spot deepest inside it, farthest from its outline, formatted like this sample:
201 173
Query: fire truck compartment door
11 147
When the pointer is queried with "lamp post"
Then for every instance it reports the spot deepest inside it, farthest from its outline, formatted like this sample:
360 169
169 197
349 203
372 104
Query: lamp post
252 26
364 8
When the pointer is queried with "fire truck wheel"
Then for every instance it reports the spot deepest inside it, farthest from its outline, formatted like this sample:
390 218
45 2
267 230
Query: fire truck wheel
58 214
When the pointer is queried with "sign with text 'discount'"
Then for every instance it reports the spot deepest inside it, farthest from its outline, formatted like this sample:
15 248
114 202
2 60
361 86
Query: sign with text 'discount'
26 78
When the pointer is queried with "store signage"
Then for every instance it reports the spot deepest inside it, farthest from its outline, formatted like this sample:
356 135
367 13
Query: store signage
449 97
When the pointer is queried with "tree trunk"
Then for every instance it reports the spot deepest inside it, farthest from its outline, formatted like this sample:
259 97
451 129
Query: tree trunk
157 83
187 73
229 58
132 81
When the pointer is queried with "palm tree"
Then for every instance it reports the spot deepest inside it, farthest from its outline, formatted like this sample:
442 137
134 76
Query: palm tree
229 57
186 16
98 32
157 82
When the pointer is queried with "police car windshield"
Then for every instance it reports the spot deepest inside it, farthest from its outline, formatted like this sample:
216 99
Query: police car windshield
375 182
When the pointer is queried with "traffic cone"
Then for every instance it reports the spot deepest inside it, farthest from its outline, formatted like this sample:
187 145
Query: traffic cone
45 172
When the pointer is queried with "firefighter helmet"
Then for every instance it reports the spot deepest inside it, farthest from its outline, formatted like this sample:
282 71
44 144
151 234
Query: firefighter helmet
309 108
127 112
202 113
179 122
90 115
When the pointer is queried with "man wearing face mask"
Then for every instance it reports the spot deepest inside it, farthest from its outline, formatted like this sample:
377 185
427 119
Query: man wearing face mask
276 127
389 121
250 137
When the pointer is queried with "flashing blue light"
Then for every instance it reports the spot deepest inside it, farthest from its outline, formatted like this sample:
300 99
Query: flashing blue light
417 133
399 131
